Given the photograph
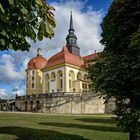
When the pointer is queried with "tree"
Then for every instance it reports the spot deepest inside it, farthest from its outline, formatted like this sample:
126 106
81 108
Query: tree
20 19
116 72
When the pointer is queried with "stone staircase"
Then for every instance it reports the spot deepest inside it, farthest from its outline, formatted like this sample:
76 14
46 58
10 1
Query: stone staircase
10 106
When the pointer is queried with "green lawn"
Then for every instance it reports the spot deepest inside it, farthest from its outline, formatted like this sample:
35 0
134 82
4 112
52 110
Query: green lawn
27 126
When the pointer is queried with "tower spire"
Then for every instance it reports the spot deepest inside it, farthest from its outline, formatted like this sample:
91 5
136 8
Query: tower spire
71 23
71 39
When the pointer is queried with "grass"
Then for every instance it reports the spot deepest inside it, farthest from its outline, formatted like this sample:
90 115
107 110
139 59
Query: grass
29 126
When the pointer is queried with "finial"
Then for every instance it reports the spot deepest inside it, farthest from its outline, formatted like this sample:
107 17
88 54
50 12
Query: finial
39 52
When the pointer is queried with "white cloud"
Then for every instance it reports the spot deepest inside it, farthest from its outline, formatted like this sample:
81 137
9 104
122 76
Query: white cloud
8 69
6 95
18 91
2 92
87 29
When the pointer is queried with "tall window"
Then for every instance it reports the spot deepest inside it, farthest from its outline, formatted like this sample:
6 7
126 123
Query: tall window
33 75
47 84
85 87
26 105
33 72
79 76
33 79
61 83
71 80
33 85
53 76
31 105
59 80
86 77
70 83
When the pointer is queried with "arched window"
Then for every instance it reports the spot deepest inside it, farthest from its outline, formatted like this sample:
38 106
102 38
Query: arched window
1 107
71 80
26 105
53 76
59 81
31 105
86 77
37 103
79 76
47 84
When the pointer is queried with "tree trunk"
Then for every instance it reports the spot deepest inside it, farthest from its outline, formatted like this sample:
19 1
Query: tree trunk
134 104
134 136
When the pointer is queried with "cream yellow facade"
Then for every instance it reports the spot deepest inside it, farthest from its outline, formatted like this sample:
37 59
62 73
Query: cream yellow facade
33 81
61 78
65 78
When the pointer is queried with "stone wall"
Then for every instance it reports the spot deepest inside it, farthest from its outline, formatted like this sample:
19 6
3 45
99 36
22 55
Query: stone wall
77 103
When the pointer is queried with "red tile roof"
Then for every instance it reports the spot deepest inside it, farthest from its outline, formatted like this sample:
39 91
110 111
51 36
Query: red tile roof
65 56
37 62
90 57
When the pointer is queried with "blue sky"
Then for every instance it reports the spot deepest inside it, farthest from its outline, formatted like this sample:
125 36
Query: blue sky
87 16
96 4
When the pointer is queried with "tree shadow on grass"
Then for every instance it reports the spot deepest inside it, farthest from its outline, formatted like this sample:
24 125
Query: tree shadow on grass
23 133
88 127
98 120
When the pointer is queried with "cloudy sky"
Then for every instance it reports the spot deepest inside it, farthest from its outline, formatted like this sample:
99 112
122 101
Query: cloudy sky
87 17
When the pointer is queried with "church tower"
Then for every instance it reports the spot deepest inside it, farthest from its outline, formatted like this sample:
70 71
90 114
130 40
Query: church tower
34 73
71 39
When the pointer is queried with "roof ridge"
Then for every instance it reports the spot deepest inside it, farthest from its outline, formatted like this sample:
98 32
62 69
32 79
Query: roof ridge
89 55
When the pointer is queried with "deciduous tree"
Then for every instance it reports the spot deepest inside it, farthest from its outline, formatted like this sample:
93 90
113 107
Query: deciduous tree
20 19
116 72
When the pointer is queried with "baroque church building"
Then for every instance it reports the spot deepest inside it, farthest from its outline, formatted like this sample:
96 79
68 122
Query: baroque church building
60 84
63 72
